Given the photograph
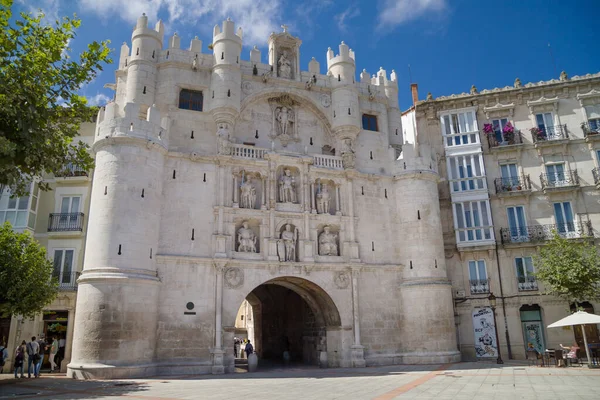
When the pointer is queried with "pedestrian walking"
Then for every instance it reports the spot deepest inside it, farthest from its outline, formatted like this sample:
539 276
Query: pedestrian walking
20 358
42 352
249 349
53 352
3 356
33 356
60 356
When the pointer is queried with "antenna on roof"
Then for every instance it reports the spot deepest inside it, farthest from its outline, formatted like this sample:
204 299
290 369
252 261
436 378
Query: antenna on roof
553 61
409 74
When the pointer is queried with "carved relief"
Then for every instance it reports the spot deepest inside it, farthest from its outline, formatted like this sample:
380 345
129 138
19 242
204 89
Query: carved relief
247 193
287 187
341 279
328 242
234 277
325 100
323 198
223 143
285 127
284 64
246 239
286 245
348 155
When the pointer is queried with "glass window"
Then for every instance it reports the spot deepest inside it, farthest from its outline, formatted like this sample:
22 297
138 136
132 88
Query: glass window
472 221
555 174
63 266
477 270
498 125
460 128
524 268
16 211
369 122
564 217
191 100
517 224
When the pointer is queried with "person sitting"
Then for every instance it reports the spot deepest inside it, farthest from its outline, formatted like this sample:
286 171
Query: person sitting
572 354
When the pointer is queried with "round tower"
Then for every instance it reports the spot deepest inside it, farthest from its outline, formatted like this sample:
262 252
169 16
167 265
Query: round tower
427 333
117 299
393 112
344 95
146 43
226 79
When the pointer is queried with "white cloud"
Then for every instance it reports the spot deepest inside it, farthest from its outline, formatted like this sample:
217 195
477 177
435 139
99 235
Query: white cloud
50 8
99 99
345 16
397 12
258 18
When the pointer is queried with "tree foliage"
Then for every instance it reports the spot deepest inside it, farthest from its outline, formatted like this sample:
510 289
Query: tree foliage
26 286
569 269
40 110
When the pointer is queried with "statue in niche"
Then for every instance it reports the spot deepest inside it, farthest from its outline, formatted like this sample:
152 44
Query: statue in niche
348 156
323 198
285 65
223 144
287 187
285 119
246 239
286 246
328 243
247 193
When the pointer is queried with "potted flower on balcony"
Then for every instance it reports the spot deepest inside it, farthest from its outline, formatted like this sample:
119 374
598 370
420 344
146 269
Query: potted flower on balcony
538 134
509 133
488 129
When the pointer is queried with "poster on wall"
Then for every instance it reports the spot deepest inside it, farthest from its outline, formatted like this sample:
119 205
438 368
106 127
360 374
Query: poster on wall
533 336
486 344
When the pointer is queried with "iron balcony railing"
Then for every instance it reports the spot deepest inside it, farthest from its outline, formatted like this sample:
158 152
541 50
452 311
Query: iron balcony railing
559 179
550 133
542 233
504 185
509 139
596 173
590 130
527 283
65 222
479 286
69 171
66 280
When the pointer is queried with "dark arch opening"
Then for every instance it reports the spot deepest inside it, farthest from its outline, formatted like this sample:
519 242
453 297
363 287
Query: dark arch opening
289 320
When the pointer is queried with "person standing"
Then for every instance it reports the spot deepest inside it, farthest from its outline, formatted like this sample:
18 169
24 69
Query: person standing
42 352
249 349
53 351
3 356
33 356
61 350
20 358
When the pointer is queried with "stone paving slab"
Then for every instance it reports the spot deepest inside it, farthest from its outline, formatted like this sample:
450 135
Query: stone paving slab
455 381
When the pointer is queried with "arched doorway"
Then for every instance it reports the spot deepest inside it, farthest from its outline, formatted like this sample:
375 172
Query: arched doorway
591 331
293 315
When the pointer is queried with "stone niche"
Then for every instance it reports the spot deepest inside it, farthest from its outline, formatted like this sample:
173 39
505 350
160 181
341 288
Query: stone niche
288 242
328 243
246 241
288 189
325 197
249 190
284 55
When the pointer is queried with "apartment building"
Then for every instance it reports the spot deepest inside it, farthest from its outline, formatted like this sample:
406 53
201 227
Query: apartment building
58 220
520 162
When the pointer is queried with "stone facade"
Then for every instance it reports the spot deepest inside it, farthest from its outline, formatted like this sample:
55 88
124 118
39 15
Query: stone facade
220 180
518 183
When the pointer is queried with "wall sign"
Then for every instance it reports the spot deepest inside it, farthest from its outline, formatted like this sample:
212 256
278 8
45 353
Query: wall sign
486 343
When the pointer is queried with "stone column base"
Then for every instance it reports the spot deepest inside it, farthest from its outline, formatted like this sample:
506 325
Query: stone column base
358 356
218 366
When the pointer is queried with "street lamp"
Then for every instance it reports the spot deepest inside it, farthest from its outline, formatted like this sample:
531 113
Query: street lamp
492 300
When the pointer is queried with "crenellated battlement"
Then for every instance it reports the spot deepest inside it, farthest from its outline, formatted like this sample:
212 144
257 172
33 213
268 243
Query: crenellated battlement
345 55
113 122
141 29
415 157
227 32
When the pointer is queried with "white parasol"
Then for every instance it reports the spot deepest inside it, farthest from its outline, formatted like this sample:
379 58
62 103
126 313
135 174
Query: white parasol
579 318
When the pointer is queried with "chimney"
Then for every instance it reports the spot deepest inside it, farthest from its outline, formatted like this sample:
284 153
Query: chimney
414 89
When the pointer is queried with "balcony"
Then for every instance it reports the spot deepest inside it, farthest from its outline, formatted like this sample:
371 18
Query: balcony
560 181
479 286
519 185
65 222
590 130
246 151
67 281
549 134
510 142
71 171
326 161
527 283
542 233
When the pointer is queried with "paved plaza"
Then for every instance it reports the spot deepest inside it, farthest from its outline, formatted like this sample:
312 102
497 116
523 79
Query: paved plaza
450 381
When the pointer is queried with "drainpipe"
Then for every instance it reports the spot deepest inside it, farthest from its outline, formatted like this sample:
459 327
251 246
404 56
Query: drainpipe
510 356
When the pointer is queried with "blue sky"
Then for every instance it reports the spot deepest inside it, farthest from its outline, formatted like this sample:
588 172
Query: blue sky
449 44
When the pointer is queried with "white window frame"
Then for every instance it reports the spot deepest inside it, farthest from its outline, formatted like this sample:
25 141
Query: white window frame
463 232
450 121
501 125
64 250
568 233
522 234
28 210
557 182
478 284
477 181
527 281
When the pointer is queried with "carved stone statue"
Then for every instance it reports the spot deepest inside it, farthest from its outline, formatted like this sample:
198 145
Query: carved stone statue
223 146
518 83
323 198
328 243
286 246
247 194
285 119
348 156
287 187
195 63
285 66
564 76
246 239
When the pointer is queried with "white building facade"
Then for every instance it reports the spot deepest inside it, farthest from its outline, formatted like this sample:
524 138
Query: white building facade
220 180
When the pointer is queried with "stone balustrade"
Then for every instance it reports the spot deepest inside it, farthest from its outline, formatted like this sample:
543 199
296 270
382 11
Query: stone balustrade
325 161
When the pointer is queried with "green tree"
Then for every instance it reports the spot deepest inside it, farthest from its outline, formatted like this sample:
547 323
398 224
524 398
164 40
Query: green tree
26 283
569 269
40 108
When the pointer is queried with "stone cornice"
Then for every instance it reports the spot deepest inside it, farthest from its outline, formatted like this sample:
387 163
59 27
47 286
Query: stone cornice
499 109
